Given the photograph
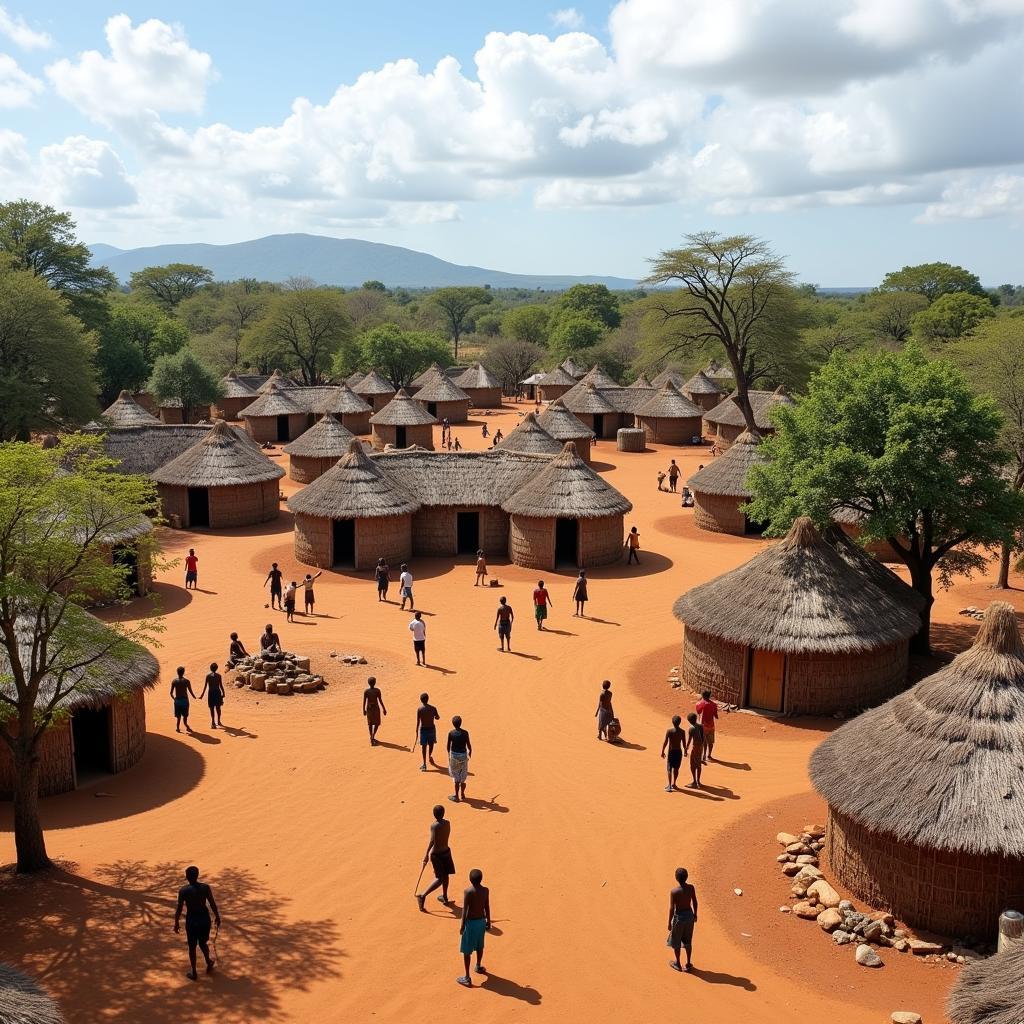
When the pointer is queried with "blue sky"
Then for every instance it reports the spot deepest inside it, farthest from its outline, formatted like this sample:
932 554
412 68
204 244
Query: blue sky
856 135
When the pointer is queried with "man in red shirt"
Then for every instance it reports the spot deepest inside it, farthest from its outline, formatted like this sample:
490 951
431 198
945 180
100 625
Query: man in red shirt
708 711
541 602
191 569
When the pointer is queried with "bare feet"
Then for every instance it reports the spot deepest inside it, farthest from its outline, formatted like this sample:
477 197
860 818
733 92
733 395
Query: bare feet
210 964
421 900
191 975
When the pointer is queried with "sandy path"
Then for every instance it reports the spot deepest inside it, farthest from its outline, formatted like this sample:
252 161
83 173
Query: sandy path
312 840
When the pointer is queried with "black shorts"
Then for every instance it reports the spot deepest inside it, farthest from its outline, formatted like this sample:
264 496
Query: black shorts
442 863
197 929
419 645
675 759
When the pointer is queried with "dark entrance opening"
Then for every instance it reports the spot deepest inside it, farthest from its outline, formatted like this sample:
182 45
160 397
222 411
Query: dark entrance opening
282 428
198 506
400 441
599 424
432 408
90 734
129 558
752 528
467 528
344 543
566 541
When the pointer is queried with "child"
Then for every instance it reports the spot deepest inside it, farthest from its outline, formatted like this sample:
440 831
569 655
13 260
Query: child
481 570
661 480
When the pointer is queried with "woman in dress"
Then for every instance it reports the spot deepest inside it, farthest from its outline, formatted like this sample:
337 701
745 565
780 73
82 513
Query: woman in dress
579 595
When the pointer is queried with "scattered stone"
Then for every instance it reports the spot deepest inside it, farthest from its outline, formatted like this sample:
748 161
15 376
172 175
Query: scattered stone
798 892
905 1017
829 920
797 847
873 931
901 945
808 874
791 869
784 858
965 953
785 909
842 938
739 892
808 911
921 947
807 858
817 831
827 896
846 906
951 957
867 957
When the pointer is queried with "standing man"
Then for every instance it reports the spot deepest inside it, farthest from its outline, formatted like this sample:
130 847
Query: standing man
674 739
579 593
181 689
194 897
373 705
604 713
191 570
673 475
503 623
418 628
696 744
460 750
440 856
541 603
708 711
274 577
633 546
405 586
682 916
214 690
308 598
426 716
383 576
476 922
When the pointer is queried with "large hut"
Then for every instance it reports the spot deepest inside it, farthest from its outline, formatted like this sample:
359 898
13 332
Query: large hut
564 426
337 400
592 409
795 630
990 991
236 395
276 380
375 390
222 481
101 728
275 415
401 423
319 448
720 489
352 515
124 411
444 399
530 438
943 847
22 1001
702 391
669 417
555 383
481 387
725 421
566 515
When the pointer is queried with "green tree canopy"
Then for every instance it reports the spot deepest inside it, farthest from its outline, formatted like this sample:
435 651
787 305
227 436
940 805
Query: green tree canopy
456 306
572 331
953 315
375 286
183 378
932 280
218 316
489 324
595 300
906 445
527 323
889 315
133 337
401 355
169 285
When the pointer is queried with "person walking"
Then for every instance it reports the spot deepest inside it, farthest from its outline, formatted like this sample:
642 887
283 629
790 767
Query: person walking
696 745
675 739
181 690
460 750
503 620
274 576
289 601
541 603
605 712
440 856
418 628
457 446
213 689
673 475
476 922
382 573
426 730
191 570
682 916
481 570
405 587
633 546
373 705
308 598
193 897
579 593
707 709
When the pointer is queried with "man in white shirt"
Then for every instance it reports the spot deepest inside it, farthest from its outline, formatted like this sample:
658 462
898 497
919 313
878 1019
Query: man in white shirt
405 586
418 628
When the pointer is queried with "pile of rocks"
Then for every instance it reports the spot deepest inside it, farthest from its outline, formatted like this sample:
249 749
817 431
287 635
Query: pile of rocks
973 613
283 673
349 659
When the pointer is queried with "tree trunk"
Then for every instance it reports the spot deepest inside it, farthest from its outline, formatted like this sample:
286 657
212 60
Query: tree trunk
455 344
28 829
1003 583
921 579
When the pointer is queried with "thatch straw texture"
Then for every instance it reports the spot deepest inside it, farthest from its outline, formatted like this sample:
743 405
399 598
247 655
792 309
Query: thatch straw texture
557 378
586 398
126 412
727 475
274 401
440 388
144 449
572 368
276 379
567 487
339 399
871 568
668 377
235 387
668 403
402 411
700 384
797 596
372 384
354 378
599 378
530 437
718 371
561 424
327 438
990 991
477 378
727 413
428 374
642 382
355 488
220 459
22 1001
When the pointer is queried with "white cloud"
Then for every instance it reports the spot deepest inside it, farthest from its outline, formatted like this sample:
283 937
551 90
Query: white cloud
21 33
17 87
85 172
567 18
976 197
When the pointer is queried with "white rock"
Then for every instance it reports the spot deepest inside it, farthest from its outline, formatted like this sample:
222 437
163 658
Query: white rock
905 1017
739 892
867 957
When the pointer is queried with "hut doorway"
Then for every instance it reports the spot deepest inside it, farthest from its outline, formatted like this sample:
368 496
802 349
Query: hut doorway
599 424
400 439
467 530
282 428
752 528
344 537
767 677
566 542
128 558
198 506
90 734
432 408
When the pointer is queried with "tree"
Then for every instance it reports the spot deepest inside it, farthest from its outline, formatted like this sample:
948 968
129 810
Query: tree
57 506
367 307
183 378
512 360
953 315
46 373
527 323
169 285
223 313
890 315
302 330
489 324
905 444
133 337
401 355
595 300
573 331
932 280
736 295
455 305
375 286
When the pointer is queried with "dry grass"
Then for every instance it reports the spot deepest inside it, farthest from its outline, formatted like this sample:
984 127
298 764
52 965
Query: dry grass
990 991
22 1001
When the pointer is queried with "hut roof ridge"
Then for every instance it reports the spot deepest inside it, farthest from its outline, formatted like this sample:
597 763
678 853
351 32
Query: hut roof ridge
220 459
327 438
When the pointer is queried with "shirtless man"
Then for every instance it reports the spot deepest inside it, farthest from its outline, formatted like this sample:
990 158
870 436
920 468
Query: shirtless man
194 898
476 921
181 690
674 740
696 745
682 916
440 856
213 690
503 623
373 705
426 716
274 578
269 640
605 712
236 651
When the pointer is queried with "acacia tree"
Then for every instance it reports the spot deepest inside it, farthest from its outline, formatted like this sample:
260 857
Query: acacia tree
456 304
400 355
53 557
182 378
907 446
932 280
511 360
169 285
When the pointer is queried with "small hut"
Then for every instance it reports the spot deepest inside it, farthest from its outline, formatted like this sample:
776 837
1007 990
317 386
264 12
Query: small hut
599 378
572 368
481 387
126 412
669 376
375 390
102 728
401 423
319 448
276 379
125 547
642 383
669 417
943 849
22 1001
721 373
795 630
531 438
990 991
172 412
592 409
566 515
352 515
555 384
340 401
275 415
725 421
702 391
222 481
432 371
354 378
564 426
720 489
236 396
443 399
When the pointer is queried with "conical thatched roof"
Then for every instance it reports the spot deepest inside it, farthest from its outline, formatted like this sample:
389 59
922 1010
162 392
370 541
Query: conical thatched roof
326 439
567 487
373 384
727 412
402 411
558 377
273 401
440 388
599 378
126 412
477 377
354 488
718 370
797 596
668 377
642 382
337 400
727 475
669 403
955 745
220 459
871 568
530 437
701 384
572 368
235 387
586 398
276 379
354 378
990 991
22 1001
433 370
561 424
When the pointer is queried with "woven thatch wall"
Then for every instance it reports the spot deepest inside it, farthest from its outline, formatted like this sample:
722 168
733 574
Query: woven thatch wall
435 529
600 541
145 573
671 431
356 422
264 428
484 398
305 470
170 414
955 894
822 685
389 537
710 663
421 434
553 391
454 412
128 730
631 439
532 542
229 408
880 549
718 513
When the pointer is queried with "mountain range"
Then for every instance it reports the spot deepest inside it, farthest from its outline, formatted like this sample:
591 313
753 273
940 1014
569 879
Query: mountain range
334 261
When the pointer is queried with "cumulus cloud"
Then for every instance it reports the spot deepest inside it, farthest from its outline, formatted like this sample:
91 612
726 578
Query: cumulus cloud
17 87
567 18
85 172
979 196
21 33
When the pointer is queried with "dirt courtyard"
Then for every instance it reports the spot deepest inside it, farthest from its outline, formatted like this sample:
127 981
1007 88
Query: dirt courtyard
312 840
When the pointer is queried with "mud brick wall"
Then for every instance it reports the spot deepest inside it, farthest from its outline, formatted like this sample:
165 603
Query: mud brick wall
435 529
710 663
244 504
532 542
719 513
357 422
57 768
824 684
663 430
387 537
601 541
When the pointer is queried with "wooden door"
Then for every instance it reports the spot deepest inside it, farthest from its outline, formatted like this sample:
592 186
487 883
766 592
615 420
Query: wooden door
767 673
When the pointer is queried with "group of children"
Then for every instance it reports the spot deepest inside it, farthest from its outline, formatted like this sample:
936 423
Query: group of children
285 596
673 474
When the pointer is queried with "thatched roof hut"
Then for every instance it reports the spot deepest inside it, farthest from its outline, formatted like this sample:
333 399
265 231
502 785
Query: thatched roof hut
669 417
481 386
319 448
702 391
720 489
858 559
146 448
530 437
642 382
126 412
591 405
432 371
726 420
795 630
374 389
668 376
276 415
22 1001
572 368
990 991
555 383
276 379
721 373
354 378
339 400
564 426
236 394
444 399
599 378
944 849
403 422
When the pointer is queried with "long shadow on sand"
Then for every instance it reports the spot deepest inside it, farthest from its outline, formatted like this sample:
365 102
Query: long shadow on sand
486 805
104 947
721 978
163 599
506 987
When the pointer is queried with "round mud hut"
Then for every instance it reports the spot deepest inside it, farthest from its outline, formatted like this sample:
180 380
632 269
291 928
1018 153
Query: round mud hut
124 411
221 482
443 399
702 391
22 1001
235 397
563 426
530 438
319 448
352 515
990 991
275 416
725 421
795 630
592 409
942 847
642 384
125 546
481 387
669 376
566 516
669 417
276 379
102 726
402 423
343 402
555 383
375 390
720 489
